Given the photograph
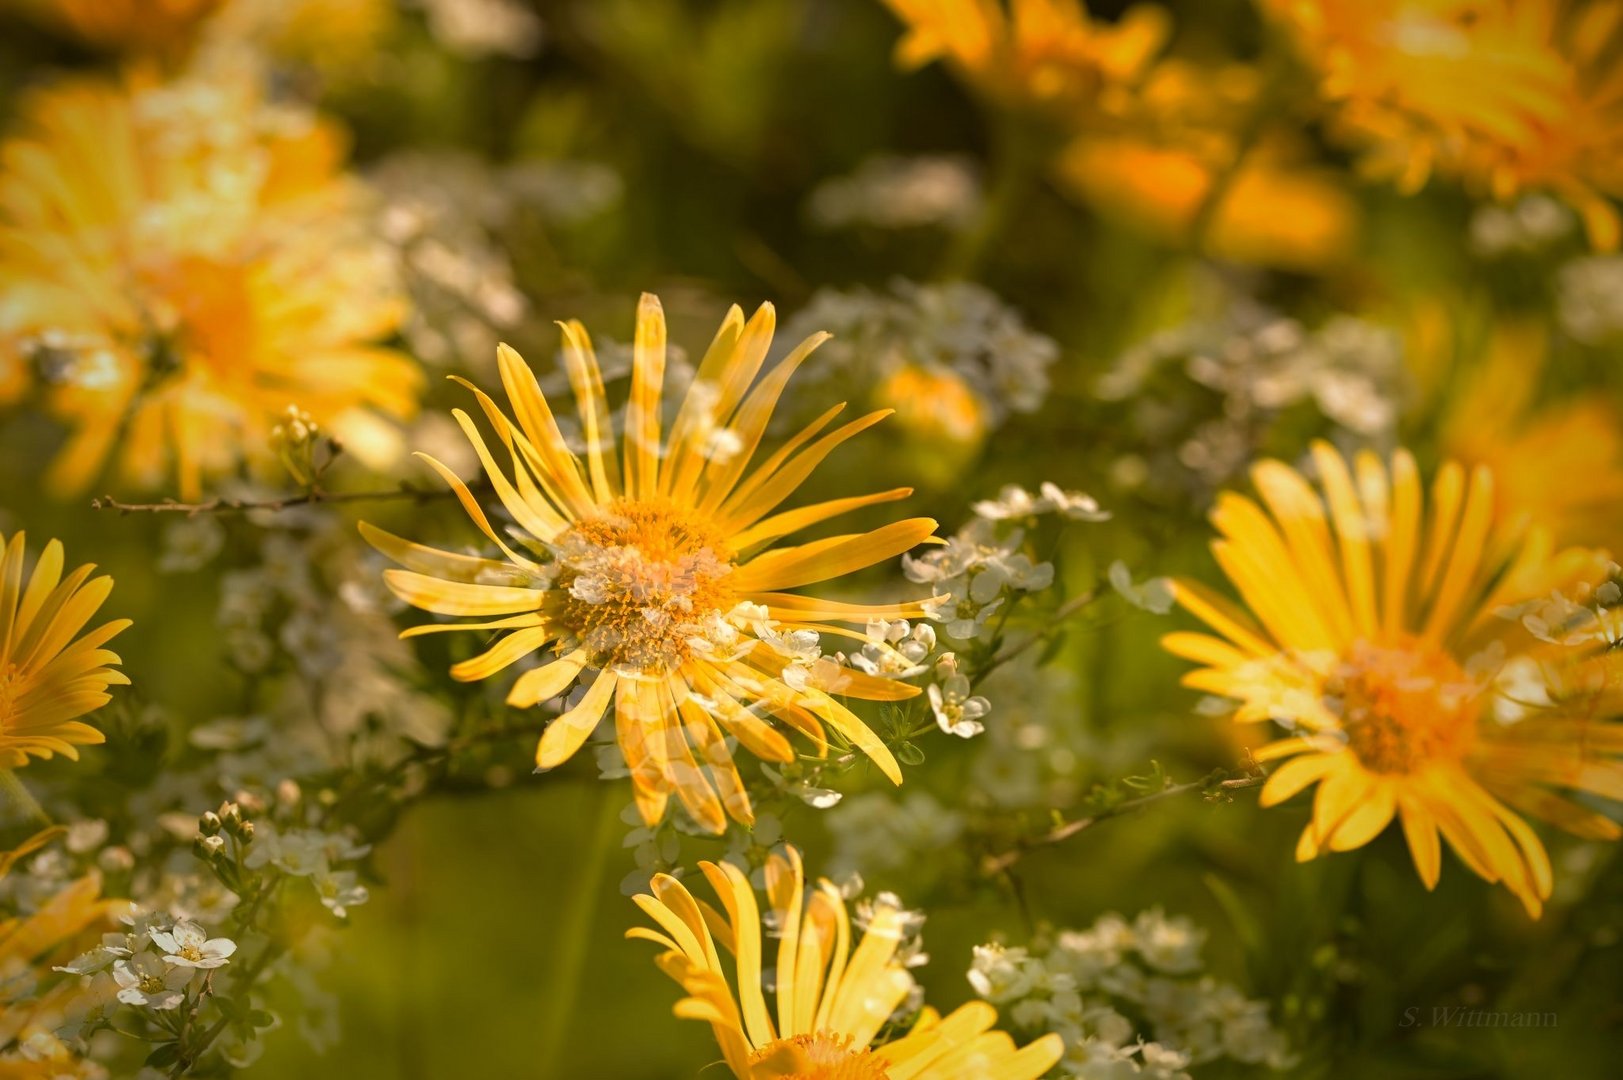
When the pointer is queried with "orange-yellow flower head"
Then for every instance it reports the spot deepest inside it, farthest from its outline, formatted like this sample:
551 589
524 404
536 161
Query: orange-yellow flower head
1044 54
1504 95
50 673
1378 632
1166 148
653 565
181 262
831 1000
1578 438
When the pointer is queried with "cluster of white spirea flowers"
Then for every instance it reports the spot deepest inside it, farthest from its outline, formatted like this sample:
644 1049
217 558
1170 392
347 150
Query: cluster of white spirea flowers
959 328
1130 999
984 565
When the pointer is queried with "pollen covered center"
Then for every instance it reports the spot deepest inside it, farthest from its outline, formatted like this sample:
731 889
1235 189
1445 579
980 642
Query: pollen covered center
642 585
1404 706
823 1056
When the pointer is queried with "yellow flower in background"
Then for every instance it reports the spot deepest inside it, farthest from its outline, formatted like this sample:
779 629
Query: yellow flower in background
1380 637
1504 95
324 33
50 674
181 262
1152 166
831 1000
656 568
1038 53
124 25
1559 464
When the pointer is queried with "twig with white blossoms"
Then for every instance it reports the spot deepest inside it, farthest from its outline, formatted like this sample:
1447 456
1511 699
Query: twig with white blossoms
1104 988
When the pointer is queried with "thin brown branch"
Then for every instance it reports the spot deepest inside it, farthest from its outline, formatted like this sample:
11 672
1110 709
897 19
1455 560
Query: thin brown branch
223 505
998 864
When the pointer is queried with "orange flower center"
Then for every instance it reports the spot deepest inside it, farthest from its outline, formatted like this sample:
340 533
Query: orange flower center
824 1056
643 584
1403 707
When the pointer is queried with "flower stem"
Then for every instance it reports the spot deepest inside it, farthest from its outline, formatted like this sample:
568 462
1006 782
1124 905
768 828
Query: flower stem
575 924
1015 157
23 799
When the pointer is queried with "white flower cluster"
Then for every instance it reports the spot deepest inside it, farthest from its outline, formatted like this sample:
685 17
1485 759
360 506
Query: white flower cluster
884 835
1103 988
284 609
157 962
1199 396
959 328
1589 298
313 854
980 568
1533 224
890 192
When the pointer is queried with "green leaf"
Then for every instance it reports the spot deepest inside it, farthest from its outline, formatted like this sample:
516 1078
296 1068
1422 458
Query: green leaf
164 1055
908 753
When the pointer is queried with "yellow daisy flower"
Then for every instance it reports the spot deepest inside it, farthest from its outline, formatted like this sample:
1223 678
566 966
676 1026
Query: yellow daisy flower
660 574
49 674
1506 95
831 1000
1380 638
1038 53
169 253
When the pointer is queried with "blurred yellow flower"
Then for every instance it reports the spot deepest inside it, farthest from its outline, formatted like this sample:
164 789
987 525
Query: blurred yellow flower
324 33
1504 95
1153 165
659 573
1528 443
831 1000
1380 637
183 261
124 25
1038 53
50 676
29 946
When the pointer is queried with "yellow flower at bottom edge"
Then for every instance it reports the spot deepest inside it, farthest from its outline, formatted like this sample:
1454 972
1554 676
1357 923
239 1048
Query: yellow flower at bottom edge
49 676
1380 636
831 1000
660 572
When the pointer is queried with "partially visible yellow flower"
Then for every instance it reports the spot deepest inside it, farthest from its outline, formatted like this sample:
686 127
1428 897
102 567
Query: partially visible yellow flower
1153 165
124 25
29 946
1380 638
831 1000
181 262
1559 464
1504 95
50 674
323 33
655 566
1047 54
